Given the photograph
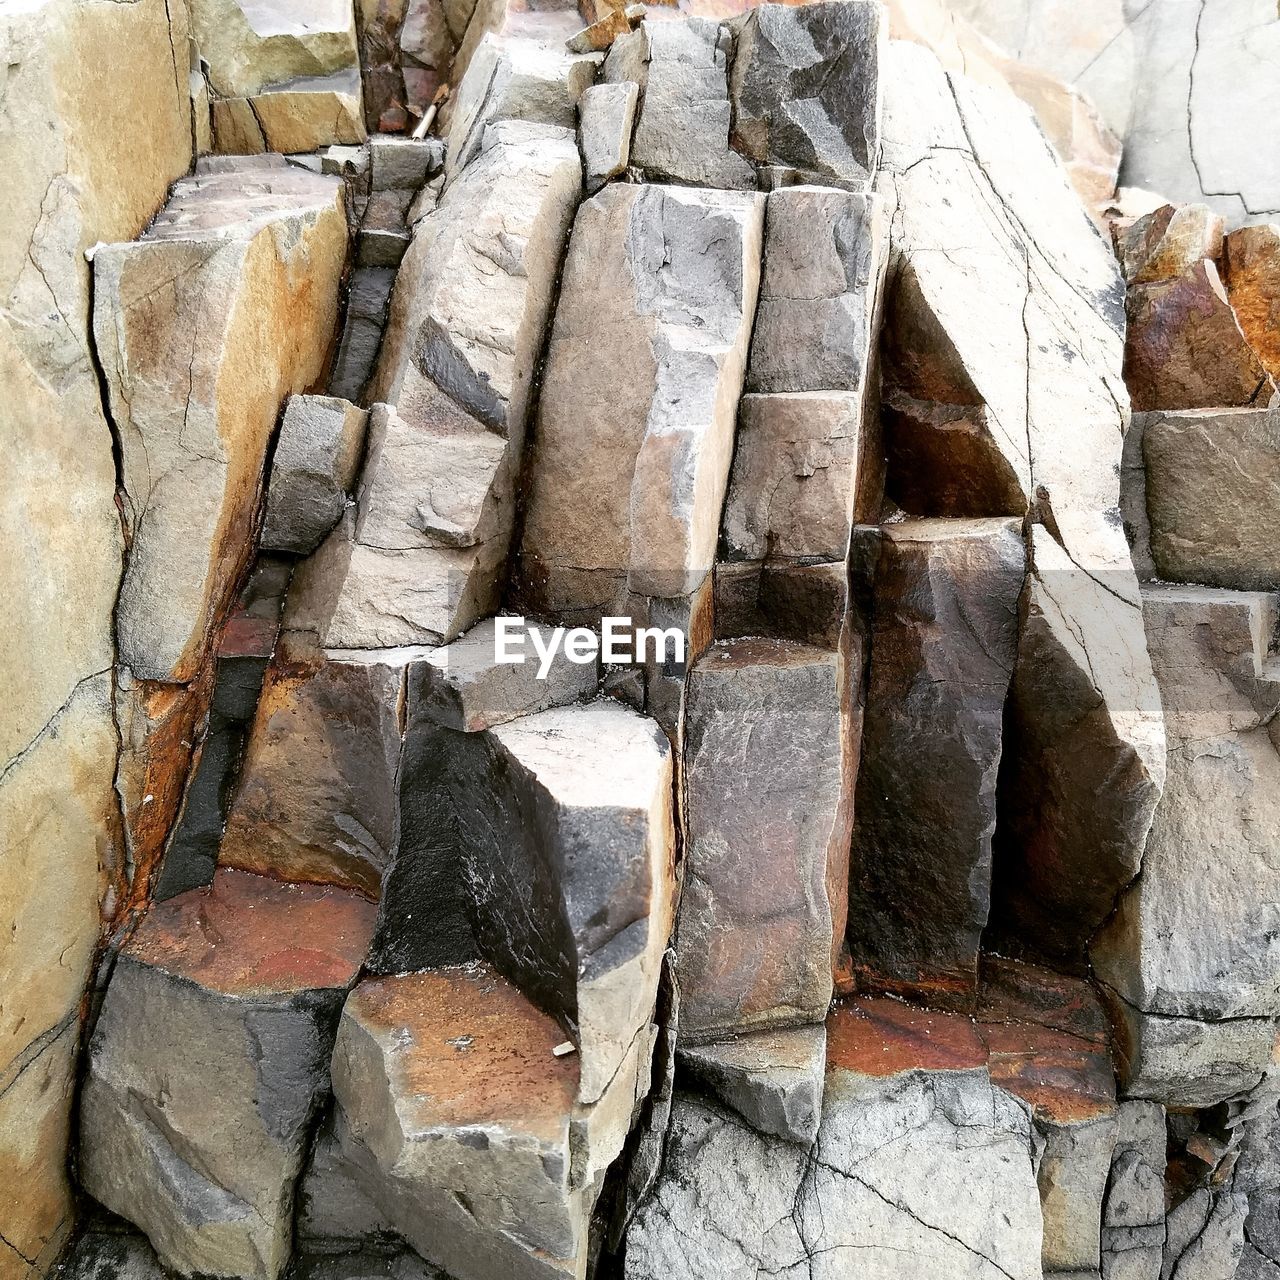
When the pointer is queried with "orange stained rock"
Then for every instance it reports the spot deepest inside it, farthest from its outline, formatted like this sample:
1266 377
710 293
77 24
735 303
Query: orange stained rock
468 1049
246 935
881 1036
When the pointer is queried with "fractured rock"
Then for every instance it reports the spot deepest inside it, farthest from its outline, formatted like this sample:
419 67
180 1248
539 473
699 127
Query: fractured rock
768 781
313 469
606 115
1168 242
635 431
403 164
177 315
298 115
209 1063
1252 277
1213 490
684 117
805 87
1133 1226
773 1079
943 632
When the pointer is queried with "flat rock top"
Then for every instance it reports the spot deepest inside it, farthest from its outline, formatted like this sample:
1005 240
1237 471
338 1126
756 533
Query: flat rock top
882 1037
931 529
246 935
464 1048
759 651
235 201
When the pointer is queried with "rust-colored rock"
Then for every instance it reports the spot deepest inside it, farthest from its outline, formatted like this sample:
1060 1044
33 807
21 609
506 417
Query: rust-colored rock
1253 285
881 1036
1168 242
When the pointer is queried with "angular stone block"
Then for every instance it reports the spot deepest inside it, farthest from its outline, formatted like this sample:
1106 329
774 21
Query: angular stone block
1168 242
178 317
768 786
1133 1213
1252 277
606 116
294 116
943 636
209 1063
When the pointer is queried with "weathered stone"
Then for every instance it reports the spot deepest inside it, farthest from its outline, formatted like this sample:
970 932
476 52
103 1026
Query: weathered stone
943 632
317 794
682 128
298 115
209 1063
1252 277
462 1122
762 912
1193 939
367 303
1133 1211
1213 491
566 853
805 88
1186 349
773 1079
463 687
606 115
805 602
403 164
333 1207
1168 242
816 321
1205 1236
195 396
597 37
635 429
314 467
111 1254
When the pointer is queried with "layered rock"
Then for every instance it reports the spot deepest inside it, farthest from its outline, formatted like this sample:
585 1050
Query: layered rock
943 633
768 781
1190 957
236 252
209 1063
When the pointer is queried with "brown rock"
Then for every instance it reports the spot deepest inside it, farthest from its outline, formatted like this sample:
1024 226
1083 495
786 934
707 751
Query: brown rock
1185 347
942 637
1169 242
1252 277
768 782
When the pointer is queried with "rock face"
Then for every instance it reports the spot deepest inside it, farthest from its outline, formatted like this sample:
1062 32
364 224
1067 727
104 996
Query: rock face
635 429
1252 256
1192 940
943 636
209 1063
763 907
246 249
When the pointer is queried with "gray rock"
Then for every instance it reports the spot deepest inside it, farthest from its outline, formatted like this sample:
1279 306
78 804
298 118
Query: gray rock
403 164
773 1079
111 1255
606 116
333 1207
1213 488
825 256
768 784
806 89
682 129
942 634
1205 1236
317 457
1133 1227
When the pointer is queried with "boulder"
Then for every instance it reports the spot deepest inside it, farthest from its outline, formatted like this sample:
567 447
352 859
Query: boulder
314 467
815 326
644 368
1185 347
1252 277
684 117
768 786
177 317
942 631
1213 480
209 1063
606 116
806 90
1168 242
1194 937
772 1079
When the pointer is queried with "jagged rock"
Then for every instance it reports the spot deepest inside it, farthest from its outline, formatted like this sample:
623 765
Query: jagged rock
1169 242
1186 349
943 633
314 467
209 1062
247 250
820 289
768 785
1213 480
1205 1236
297 115
461 686
509 78
566 851
682 127
773 1079
606 115
1252 277
462 1121
1086 754
1194 938
317 798
599 35
805 87
635 429
920 1167
1133 1211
